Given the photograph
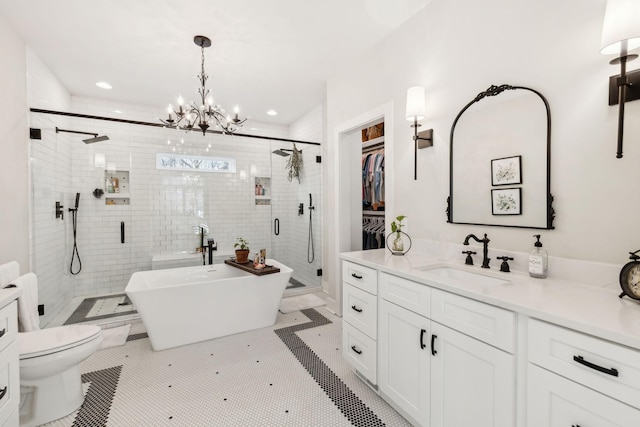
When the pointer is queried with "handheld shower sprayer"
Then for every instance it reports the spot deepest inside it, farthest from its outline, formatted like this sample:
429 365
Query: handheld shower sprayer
74 253
310 202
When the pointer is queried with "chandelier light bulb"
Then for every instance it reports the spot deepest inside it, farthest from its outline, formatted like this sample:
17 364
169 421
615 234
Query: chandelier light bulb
180 100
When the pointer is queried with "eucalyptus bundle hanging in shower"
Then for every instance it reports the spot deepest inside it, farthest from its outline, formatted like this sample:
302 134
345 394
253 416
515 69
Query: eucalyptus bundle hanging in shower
294 164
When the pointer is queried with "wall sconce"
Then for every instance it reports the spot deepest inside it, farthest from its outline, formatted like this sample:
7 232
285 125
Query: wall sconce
620 34
415 112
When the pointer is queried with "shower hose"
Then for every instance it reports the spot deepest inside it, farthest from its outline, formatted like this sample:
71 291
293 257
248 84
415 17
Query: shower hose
74 252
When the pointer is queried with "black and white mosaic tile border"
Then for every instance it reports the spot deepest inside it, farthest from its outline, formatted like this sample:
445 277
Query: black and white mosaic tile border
247 379
349 404
94 411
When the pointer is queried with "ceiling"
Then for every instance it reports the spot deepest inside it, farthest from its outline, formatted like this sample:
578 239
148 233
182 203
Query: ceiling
274 54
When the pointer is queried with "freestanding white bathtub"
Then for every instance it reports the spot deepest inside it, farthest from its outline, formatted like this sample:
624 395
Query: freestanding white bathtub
180 306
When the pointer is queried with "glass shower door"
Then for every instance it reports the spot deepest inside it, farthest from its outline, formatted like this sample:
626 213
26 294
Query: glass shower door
296 214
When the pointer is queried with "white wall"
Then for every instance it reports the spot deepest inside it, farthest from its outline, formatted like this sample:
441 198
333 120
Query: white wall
458 48
14 193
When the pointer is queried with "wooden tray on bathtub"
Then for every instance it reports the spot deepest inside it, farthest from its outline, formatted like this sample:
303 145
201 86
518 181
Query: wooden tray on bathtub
248 266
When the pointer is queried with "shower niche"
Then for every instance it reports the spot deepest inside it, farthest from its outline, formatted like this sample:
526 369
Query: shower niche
263 190
116 187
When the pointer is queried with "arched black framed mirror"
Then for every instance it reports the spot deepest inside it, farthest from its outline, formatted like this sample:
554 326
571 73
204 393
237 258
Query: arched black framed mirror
500 160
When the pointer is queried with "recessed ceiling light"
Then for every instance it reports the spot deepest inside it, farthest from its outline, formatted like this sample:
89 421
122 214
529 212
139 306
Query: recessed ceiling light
272 112
103 85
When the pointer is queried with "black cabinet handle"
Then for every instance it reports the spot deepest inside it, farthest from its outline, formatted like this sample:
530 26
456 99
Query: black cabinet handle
359 310
3 392
422 332
356 276
609 371
122 232
353 347
575 425
433 345
2 332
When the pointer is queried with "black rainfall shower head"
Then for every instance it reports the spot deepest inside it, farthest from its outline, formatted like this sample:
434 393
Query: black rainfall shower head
281 152
96 138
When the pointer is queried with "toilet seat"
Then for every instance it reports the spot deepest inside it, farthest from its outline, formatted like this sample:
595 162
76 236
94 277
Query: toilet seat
53 340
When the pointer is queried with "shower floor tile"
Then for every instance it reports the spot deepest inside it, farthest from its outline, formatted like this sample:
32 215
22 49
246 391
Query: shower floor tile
290 374
100 308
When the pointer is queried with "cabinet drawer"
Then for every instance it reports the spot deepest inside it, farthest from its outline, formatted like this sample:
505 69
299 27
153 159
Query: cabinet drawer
406 293
9 381
555 401
602 365
487 323
359 309
8 324
360 276
360 351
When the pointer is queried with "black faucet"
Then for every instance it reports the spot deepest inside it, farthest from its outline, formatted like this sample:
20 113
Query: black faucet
212 246
485 247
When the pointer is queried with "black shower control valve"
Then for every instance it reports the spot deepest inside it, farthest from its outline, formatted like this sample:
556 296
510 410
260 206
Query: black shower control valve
505 265
468 260
59 210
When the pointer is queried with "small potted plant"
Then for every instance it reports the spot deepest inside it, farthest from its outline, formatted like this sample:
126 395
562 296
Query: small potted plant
397 245
242 250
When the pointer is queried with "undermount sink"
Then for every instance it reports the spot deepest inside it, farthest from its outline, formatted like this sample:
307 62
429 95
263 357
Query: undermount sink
457 275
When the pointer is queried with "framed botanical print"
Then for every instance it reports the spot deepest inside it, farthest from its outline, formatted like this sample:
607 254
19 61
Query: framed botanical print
507 201
506 171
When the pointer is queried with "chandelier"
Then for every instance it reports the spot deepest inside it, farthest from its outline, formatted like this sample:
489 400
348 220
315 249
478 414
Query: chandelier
187 117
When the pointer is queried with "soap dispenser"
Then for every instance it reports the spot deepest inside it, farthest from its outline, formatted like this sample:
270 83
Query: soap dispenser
538 260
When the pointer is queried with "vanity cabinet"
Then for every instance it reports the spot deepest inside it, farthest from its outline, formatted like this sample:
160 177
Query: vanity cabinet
580 380
405 361
445 360
9 365
360 313
472 383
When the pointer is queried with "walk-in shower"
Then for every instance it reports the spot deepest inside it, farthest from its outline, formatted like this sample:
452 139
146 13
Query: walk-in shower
160 183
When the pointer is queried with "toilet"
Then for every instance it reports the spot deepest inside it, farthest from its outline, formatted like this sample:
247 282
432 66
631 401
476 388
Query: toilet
50 380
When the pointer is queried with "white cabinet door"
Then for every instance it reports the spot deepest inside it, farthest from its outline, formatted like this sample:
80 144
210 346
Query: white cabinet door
403 361
554 401
472 383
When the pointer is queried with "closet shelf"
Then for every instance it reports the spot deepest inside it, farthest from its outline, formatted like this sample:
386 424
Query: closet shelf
373 142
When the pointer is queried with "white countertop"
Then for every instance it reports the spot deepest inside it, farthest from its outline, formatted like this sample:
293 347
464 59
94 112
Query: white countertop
7 295
593 310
